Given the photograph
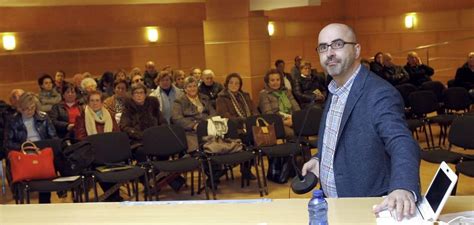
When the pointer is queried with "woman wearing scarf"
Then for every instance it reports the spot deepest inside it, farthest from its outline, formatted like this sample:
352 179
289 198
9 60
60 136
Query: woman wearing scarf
234 104
276 99
95 119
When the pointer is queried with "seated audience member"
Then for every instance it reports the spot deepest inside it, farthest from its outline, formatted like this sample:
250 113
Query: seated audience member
287 78
139 113
196 73
115 102
178 78
106 84
191 109
308 87
419 72
48 95
166 93
137 78
232 102
29 124
6 113
59 80
295 71
465 74
64 114
88 85
276 99
209 87
96 119
376 66
135 71
121 74
394 74
150 75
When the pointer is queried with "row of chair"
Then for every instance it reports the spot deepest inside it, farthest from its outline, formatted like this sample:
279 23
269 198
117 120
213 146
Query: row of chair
169 141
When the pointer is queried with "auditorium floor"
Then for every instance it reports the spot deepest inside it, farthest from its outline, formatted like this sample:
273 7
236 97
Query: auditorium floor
230 189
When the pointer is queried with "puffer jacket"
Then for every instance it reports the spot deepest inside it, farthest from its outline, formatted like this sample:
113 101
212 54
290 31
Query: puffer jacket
16 132
268 103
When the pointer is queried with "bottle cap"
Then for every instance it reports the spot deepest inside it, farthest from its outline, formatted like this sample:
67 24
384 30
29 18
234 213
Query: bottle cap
317 193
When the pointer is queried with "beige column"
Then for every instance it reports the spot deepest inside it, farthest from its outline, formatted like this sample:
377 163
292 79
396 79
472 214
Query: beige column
236 40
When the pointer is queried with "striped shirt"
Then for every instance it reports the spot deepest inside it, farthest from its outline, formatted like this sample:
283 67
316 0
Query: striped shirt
331 131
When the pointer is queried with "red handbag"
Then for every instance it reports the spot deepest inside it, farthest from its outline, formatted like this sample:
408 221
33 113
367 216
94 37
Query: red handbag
26 166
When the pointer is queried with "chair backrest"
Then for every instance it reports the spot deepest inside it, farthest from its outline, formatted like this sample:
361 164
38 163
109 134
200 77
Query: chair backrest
111 147
436 87
423 102
55 144
164 140
460 132
456 98
405 90
232 130
310 126
274 119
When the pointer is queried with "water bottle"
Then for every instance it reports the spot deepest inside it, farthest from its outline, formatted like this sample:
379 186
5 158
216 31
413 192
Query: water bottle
318 209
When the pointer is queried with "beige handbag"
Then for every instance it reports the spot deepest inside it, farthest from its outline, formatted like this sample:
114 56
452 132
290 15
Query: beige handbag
219 145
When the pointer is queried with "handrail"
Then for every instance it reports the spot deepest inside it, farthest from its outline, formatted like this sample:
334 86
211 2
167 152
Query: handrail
427 47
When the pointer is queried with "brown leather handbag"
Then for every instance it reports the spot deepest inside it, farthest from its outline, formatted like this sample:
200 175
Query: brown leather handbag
263 135
31 166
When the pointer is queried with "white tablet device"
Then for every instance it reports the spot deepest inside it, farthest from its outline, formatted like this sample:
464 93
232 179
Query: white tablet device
438 192
431 205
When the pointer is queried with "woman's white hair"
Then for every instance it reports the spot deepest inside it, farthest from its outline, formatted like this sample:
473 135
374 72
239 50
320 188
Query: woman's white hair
87 82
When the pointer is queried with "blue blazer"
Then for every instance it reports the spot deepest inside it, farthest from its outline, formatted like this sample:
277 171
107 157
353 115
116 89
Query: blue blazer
375 151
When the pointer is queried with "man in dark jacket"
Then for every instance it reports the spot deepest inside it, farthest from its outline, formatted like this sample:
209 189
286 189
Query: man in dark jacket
419 72
308 87
465 74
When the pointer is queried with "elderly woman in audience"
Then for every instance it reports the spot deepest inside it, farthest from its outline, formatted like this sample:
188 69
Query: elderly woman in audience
191 109
209 87
178 78
64 114
121 74
235 104
48 95
276 99
115 102
196 73
139 113
88 85
96 119
29 124
166 93
232 102
308 87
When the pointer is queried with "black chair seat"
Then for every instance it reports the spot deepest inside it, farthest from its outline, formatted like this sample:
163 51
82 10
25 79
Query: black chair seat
466 168
50 186
120 175
437 156
414 123
179 165
232 158
281 150
443 119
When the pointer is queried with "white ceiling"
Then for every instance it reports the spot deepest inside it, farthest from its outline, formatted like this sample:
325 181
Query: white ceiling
26 3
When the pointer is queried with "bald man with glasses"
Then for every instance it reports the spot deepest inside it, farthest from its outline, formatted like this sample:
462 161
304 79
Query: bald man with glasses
365 147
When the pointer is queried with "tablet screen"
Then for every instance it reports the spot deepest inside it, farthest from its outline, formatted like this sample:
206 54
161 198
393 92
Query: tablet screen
437 190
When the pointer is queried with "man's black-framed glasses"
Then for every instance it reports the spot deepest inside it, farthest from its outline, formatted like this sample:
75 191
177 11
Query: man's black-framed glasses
336 44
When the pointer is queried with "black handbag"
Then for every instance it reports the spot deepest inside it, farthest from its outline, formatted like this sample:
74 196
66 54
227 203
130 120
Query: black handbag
278 169
74 158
